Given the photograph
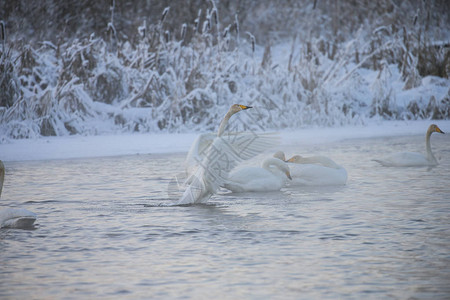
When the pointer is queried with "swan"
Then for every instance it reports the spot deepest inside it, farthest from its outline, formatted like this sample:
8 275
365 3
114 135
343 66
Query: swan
271 176
413 159
314 170
203 142
210 167
14 217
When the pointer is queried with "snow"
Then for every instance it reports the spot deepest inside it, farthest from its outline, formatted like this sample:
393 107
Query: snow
68 147
152 99
192 87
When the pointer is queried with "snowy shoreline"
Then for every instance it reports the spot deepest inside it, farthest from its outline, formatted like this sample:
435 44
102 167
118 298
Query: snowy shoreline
68 147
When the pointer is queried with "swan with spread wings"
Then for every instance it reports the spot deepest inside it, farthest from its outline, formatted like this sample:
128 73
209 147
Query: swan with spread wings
212 157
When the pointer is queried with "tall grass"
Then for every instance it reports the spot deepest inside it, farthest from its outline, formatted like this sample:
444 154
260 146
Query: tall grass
182 79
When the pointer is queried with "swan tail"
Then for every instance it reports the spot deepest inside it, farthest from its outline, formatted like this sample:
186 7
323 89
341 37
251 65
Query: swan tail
21 222
16 218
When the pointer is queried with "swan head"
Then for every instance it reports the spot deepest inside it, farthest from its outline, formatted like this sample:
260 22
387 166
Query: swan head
235 108
280 155
288 174
295 159
238 107
434 128
278 164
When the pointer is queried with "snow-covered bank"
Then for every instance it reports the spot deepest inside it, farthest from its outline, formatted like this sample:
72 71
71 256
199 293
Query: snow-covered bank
132 144
101 85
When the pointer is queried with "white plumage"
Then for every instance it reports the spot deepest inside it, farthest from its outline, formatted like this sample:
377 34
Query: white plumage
271 176
212 157
14 217
315 170
413 159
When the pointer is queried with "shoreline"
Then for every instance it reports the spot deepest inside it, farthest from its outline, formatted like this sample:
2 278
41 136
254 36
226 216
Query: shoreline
69 147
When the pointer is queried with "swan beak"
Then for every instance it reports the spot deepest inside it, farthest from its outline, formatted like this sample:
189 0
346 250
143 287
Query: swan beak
439 130
290 160
244 107
288 174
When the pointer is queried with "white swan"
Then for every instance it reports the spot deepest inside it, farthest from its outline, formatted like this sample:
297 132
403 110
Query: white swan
271 176
314 170
203 142
14 217
413 159
209 168
197 151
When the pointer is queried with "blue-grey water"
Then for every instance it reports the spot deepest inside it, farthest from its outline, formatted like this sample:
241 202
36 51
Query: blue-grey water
101 234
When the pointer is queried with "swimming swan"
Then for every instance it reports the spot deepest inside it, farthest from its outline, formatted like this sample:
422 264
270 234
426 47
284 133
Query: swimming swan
413 159
210 167
271 176
14 217
314 170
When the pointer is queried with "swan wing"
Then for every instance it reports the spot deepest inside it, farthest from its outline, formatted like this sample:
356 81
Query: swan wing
210 172
197 151
224 153
229 150
16 218
326 162
404 159
246 145
196 191
253 179
317 175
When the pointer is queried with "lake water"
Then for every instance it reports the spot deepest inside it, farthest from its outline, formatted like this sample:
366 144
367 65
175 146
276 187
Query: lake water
101 232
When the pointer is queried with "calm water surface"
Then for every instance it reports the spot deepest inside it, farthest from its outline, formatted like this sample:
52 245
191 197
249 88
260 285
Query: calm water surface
101 234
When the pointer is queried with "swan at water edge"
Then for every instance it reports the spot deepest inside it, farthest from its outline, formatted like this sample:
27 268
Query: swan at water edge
413 159
315 170
14 217
209 167
271 176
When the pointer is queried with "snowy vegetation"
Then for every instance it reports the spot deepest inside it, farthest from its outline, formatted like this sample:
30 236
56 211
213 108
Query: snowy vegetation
300 63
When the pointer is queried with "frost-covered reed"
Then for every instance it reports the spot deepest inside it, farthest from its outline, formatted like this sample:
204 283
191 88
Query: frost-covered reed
182 80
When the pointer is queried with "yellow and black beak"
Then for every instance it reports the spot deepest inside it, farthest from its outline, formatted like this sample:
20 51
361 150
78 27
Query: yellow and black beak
244 107
288 174
439 130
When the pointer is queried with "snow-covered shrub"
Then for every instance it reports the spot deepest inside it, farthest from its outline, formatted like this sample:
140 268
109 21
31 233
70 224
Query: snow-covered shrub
9 85
383 95
179 75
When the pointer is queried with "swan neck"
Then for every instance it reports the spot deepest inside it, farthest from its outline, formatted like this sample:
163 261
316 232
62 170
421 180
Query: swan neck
2 176
272 162
224 123
266 164
430 155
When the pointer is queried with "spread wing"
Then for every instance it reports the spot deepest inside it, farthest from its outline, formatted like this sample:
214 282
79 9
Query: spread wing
223 154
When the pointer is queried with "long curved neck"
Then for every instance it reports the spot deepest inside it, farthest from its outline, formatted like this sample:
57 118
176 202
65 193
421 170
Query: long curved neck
430 155
224 123
272 162
2 176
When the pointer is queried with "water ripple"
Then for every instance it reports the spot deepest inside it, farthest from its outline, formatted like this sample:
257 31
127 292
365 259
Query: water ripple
383 235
